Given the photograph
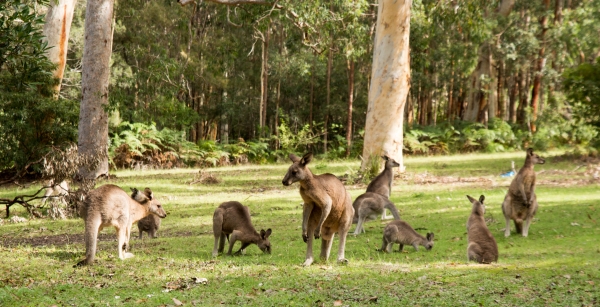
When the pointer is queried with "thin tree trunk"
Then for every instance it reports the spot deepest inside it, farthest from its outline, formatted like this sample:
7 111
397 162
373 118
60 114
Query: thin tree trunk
410 111
93 119
512 97
390 83
449 111
350 102
312 91
264 83
541 62
501 100
56 33
328 99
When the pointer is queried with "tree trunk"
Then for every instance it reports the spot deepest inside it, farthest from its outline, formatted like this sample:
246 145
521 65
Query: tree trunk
541 62
328 99
264 83
350 102
56 32
93 119
512 100
390 83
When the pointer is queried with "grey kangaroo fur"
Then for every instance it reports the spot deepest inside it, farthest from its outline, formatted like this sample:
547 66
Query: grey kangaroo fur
327 208
151 223
109 205
520 203
232 220
374 202
400 232
482 245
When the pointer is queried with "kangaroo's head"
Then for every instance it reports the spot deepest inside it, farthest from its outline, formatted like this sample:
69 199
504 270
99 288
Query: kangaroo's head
264 244
429 244
478 206
298 170
534 158
389 162
157 209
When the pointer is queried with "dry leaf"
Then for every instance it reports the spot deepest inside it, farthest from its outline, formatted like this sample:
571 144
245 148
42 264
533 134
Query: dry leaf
177 302
337 303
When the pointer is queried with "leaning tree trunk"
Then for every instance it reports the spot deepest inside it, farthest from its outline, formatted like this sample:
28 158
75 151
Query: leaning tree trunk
93 119
56 33
390 82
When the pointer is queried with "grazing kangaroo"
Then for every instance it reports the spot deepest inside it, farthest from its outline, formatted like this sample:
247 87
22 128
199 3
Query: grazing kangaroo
482 245
109 205
233 218
327 207
149 224
520 203
400 232
368 206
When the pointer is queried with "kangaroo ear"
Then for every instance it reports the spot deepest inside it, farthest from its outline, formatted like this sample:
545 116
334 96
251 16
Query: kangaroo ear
481 199
262 233
430 236
471 199
529 151
148 193
385 158
306 158
268 233
294 158
134 190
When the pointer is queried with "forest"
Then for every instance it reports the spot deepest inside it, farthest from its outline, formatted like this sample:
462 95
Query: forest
214 84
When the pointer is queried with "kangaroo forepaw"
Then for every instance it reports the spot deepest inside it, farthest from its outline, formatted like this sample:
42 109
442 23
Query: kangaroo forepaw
305 238
307 262
317 234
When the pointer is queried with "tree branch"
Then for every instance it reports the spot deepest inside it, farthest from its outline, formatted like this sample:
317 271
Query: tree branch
227 2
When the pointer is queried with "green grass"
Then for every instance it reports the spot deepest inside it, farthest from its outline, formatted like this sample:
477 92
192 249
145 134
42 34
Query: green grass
557 265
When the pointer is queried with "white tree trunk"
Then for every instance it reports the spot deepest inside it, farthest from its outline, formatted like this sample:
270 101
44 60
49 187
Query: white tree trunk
56 32
390 82
93 119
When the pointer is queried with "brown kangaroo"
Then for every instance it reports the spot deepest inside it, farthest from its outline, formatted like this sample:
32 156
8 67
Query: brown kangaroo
520 203
368 206
327 207
400 232
149 224
382 184
482 245
233 218
109 205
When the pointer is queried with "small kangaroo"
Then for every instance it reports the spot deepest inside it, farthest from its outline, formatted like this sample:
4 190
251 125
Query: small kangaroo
520 203
109 205
327 207
149 224
368 206
382 184
482 245
61 190
400 232
233 218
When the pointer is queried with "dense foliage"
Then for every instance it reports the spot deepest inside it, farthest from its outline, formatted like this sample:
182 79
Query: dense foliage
31 120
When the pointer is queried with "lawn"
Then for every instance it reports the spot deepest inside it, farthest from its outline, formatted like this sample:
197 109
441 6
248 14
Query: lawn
557 265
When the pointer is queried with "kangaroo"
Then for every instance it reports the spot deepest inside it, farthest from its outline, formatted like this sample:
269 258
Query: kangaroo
149 224
382 184
368 206
233 218
520 203
61 190
327 207
109 205
400 232
482 245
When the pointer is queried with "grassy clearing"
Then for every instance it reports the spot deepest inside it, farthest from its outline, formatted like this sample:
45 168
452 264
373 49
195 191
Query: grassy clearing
557 265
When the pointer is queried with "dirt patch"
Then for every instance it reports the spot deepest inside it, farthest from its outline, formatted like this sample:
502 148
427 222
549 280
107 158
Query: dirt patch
64 239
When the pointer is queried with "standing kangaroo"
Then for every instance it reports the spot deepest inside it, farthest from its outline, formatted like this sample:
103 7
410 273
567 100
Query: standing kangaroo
233 218
400 232
149 224
482 245
520 203
327 207
374 202
109 205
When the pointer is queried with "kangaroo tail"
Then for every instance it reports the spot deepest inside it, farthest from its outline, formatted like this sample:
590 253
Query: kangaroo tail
390 206
519 226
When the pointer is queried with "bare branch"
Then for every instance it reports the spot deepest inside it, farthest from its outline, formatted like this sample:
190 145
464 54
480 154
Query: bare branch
231 22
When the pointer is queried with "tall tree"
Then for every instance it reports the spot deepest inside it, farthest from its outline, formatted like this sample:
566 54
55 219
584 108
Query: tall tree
93 118
390 82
